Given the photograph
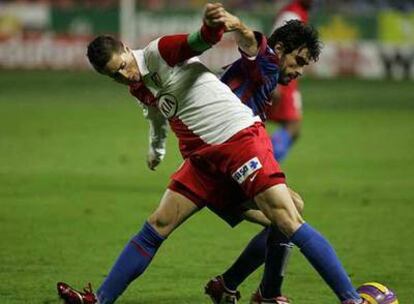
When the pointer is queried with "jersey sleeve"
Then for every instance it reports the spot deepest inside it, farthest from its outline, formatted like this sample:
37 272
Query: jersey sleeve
250 64
163 54
175 49
158 129
261 45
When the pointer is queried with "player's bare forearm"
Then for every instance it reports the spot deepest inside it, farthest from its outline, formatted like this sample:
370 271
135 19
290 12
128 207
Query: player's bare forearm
246 39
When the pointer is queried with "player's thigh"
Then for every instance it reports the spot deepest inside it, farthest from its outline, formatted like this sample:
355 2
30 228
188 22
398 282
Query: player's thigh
277 205
172 211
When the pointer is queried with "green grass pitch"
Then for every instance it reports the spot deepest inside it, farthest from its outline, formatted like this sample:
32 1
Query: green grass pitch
74 187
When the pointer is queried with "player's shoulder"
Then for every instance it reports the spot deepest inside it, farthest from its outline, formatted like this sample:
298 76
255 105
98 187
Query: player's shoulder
152 48
267 53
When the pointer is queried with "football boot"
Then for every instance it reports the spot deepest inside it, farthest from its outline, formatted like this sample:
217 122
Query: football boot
257 298
355 302
219 293
72 296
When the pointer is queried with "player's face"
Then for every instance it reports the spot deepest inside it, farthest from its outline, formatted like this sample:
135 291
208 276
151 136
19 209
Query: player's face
122 67
292 64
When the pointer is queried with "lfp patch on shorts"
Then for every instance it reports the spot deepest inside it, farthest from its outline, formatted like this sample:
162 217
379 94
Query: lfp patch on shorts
247 169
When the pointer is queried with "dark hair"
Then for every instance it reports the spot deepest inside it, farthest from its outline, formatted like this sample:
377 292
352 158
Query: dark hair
101 49
295 34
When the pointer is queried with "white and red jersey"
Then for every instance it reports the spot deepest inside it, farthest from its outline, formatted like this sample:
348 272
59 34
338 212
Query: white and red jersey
200 108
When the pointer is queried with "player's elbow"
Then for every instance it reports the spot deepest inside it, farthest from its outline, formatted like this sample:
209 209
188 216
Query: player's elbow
250 49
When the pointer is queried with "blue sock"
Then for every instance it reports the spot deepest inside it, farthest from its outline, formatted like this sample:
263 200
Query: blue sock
132 262
250 259
323 258
281 142
278 250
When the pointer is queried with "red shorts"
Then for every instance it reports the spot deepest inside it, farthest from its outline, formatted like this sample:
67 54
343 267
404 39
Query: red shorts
289 107
224 176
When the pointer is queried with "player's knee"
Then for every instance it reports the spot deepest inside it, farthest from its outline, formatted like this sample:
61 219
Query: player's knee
278 206
286 217
161 222
288 223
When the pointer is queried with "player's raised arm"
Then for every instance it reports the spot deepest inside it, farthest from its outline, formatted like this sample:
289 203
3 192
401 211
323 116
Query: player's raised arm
175 49
245 37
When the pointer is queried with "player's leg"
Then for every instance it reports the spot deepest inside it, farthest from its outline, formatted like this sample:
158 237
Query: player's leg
223 288
173 210
251 258
277 204
253 255
278 250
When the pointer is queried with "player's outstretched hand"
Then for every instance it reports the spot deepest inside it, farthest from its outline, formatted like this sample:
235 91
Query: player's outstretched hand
216 15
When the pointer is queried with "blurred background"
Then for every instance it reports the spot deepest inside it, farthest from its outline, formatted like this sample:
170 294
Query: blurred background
74 185
363 38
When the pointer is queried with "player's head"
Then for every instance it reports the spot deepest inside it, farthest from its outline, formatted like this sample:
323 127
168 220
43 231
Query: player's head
111 57
296 45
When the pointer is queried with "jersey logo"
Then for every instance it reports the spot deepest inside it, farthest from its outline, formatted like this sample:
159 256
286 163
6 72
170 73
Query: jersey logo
167 104
246 170
251 179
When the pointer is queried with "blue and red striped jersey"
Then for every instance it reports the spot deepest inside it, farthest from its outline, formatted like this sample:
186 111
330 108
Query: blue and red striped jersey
254 79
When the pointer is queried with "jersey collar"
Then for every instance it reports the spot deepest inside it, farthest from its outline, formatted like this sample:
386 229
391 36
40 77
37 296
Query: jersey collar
139 58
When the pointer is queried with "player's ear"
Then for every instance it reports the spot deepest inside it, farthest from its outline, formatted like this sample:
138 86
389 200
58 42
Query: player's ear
279 49
123 48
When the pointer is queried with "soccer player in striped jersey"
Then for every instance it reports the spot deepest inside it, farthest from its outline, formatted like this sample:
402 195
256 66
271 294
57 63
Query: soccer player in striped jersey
253 80
211 125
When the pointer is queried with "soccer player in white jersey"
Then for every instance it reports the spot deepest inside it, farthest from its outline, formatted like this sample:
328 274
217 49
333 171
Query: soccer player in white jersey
212 125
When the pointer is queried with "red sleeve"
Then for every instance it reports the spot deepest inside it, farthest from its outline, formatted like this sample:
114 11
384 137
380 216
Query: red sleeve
143 94
175 48
212 35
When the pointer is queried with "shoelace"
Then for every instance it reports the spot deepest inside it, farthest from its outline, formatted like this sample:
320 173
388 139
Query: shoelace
88 288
